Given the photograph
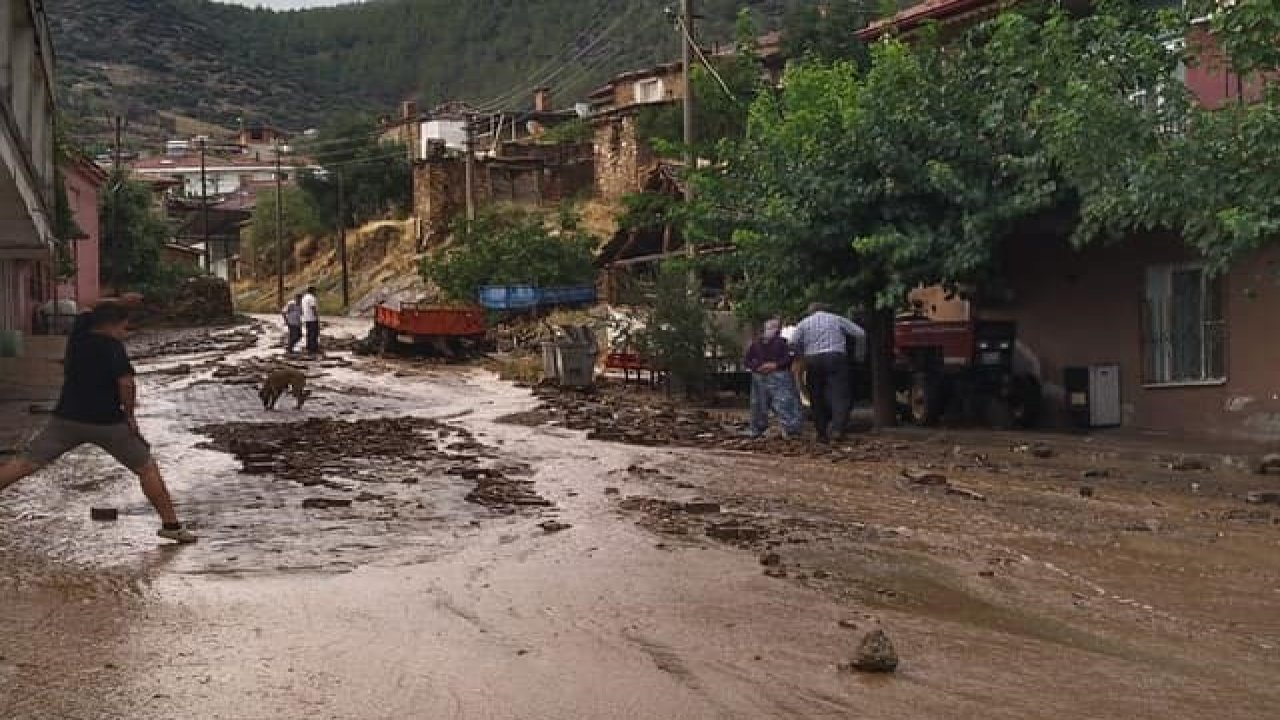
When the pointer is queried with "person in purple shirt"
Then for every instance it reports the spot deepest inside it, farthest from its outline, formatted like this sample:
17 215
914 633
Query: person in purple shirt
772 387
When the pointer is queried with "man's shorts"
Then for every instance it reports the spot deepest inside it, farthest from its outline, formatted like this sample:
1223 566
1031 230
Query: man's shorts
61 436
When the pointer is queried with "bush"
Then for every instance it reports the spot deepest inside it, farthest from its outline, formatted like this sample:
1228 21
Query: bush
513 248
679 332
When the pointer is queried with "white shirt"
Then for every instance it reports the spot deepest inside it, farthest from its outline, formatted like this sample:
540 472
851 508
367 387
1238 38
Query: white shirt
824 332
310 309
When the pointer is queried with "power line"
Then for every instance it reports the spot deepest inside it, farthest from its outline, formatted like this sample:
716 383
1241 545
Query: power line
569 64
555 59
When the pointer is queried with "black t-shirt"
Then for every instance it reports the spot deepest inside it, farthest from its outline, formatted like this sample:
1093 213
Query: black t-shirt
92 366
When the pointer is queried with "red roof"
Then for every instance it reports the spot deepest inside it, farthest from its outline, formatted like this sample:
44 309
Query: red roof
930 10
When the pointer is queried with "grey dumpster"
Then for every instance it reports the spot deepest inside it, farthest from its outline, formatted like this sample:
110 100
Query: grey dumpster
576 352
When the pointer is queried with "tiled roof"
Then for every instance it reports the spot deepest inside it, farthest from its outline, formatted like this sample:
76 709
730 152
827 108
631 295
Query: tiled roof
921 13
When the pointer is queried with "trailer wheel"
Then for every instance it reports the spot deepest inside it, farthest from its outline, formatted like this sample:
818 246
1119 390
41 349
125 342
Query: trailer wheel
387 342
924 399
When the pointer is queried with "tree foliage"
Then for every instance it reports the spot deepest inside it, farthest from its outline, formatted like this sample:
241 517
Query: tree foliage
828 33
512 248
131 242
376 177
299 219
678 331
855 186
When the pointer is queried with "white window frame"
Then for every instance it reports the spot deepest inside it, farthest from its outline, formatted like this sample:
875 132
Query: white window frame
649 90
1158 343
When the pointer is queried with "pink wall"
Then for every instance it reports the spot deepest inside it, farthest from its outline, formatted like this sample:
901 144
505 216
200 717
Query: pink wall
83 185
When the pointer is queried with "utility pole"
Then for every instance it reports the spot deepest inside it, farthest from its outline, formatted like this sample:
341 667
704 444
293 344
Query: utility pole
342 244
204 209
686 87
117 173
279 232
471 169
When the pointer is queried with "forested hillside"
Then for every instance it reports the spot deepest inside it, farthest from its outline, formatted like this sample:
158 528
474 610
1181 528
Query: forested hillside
218 63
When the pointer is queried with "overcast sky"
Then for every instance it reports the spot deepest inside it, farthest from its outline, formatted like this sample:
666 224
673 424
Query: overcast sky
286 4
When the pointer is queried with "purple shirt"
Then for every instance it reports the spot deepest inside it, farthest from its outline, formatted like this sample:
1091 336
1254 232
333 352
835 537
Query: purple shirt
769 351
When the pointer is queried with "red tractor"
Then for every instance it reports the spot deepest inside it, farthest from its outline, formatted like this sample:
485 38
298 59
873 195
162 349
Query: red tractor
961 367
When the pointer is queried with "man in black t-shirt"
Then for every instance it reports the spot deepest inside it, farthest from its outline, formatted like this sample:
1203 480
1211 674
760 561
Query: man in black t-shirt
96 407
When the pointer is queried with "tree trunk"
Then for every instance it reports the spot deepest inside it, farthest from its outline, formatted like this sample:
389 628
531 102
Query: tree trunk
880 352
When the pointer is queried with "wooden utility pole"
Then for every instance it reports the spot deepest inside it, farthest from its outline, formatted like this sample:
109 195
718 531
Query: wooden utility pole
279 232
204 210
342 244
470 169
117 181
686 87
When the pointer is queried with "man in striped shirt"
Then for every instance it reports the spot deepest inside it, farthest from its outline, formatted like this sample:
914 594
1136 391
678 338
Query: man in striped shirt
823 339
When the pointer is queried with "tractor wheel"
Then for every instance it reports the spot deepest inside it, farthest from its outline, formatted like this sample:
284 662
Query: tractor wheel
1025 400
924 399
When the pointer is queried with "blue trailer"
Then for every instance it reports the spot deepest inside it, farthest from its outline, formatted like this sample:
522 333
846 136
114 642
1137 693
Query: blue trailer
515 298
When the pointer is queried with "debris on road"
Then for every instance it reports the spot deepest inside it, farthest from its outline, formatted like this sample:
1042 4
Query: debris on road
1268 465
319 503
104 514
924 477
554 526
875 654
1188 465
966 493
1263 497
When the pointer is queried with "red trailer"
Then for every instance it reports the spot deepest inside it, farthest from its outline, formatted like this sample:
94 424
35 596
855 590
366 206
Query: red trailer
450 330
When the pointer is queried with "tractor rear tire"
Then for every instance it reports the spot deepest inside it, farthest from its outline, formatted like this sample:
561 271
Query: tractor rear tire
1025 401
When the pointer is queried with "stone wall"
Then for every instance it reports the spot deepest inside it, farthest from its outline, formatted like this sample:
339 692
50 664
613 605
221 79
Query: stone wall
621 159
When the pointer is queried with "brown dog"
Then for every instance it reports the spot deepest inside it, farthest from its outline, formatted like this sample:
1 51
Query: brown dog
279 380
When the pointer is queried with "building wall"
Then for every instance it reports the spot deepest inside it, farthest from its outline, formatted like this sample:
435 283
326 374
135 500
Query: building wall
621 159
439 195
83 196
1083 308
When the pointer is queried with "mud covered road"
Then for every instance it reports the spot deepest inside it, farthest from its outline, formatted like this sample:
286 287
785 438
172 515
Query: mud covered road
423 541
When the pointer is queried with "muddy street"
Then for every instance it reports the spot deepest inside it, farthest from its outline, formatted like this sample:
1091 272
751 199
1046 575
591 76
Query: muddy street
425 541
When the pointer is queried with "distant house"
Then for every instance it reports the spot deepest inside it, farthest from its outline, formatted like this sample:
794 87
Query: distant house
261 141
1194 351
83 181
222 175
623 161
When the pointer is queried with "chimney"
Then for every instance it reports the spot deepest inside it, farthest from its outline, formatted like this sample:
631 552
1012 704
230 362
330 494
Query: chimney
542 99
408 110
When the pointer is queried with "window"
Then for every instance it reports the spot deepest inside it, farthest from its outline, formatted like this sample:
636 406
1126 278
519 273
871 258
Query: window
1185 326
649 91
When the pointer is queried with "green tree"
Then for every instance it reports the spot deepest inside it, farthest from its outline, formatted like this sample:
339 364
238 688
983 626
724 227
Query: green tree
513 248
829 32
376 177
854 188
133 232
298 220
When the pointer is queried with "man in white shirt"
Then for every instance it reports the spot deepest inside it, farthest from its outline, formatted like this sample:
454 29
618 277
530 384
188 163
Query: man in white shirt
311 320
823 339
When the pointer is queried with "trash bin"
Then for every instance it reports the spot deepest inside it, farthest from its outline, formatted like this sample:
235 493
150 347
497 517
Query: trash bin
10 343
576 351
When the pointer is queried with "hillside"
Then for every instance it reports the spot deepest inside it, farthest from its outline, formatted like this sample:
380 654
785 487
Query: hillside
218 63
